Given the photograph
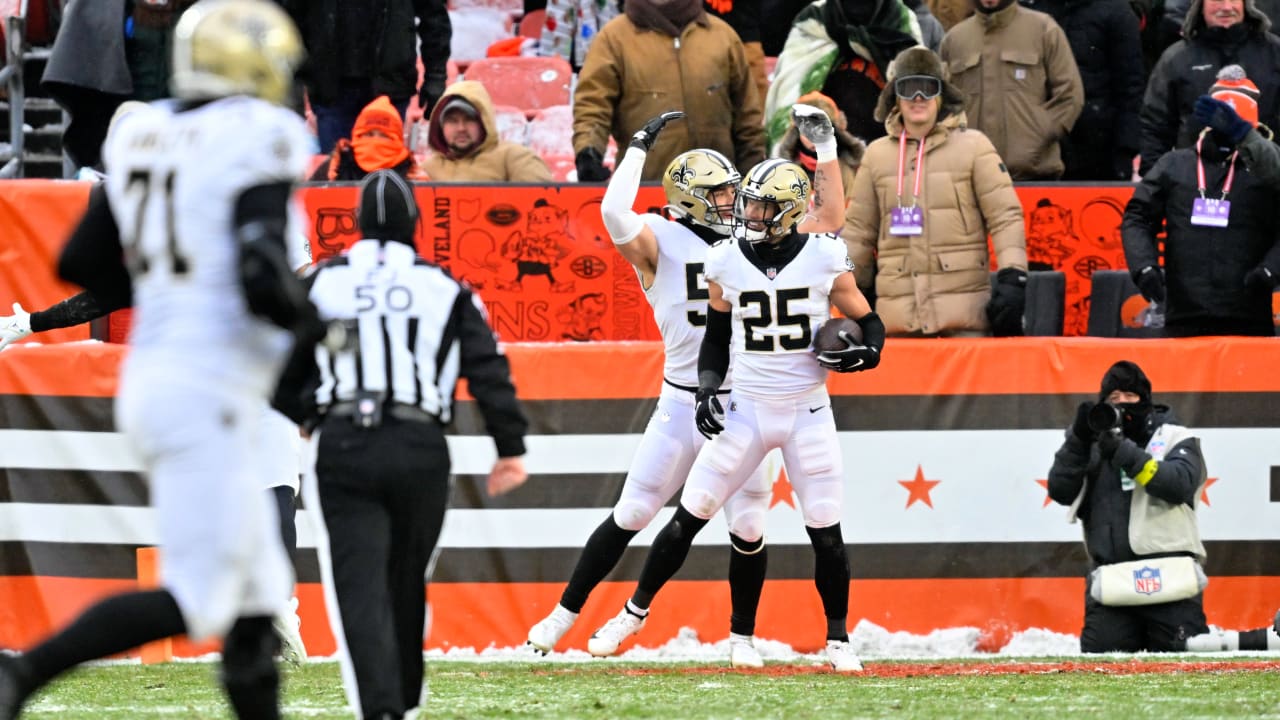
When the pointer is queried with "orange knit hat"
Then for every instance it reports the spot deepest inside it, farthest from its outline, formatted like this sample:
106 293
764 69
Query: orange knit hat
1236 90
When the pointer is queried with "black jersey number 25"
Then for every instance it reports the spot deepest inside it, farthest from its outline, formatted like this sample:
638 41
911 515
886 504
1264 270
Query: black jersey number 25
766 317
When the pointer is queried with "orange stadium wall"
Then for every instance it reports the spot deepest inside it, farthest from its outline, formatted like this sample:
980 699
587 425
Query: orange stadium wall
946 447
580 288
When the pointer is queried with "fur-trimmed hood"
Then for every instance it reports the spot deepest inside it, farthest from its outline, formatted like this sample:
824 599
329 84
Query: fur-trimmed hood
1193 21
919 60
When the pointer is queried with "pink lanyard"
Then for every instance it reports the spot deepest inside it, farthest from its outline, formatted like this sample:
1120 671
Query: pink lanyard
1200 182
902 170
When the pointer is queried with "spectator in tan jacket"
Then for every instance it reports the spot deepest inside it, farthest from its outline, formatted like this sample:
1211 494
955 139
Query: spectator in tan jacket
665 55
922 214
465 146
1020 83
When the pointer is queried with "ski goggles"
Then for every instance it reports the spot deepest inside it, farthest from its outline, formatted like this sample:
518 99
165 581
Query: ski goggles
913 86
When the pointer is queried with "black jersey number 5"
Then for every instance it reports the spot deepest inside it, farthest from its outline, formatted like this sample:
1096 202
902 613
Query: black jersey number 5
765 318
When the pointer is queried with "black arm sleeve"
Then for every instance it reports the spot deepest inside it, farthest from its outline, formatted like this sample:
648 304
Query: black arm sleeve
270 287
488 376
93 257
295 395
75 310
713 355
435 33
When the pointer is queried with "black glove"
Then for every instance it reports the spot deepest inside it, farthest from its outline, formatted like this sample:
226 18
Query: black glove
645 136
430 93
1080 427
1221 117
708 413
1108 442
590 166
1260 280
1008 302
853 358
1150 282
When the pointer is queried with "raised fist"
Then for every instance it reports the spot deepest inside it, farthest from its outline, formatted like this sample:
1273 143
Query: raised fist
813 123
646 135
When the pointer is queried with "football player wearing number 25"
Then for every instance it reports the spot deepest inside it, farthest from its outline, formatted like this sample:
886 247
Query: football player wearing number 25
770 285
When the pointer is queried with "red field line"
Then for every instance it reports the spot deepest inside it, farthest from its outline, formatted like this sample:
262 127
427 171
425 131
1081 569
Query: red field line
909 669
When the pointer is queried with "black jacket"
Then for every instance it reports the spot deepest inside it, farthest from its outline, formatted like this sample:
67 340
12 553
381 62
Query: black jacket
1204 266
385 44
1104 40
1104 510
1187 70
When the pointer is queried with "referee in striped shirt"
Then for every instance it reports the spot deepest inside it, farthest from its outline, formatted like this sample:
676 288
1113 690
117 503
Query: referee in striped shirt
379 398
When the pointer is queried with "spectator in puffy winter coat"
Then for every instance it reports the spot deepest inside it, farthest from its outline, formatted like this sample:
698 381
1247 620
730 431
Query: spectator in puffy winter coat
1020 82
927 245
465 144
360 49
1221 251
665 55
1215 33
1105 42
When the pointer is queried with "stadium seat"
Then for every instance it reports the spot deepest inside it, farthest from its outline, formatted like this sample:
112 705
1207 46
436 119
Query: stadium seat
551 131
1116 307
512 125
531 23
531 83
1045 312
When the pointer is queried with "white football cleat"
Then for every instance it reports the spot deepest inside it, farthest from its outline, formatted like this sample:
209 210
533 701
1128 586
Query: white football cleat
607 639
286 625
544 636
842 657
743 653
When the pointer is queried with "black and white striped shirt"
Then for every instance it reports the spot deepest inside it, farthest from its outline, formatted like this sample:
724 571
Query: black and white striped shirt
417 330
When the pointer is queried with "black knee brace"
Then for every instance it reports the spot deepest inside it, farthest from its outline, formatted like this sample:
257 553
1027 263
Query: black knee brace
249 670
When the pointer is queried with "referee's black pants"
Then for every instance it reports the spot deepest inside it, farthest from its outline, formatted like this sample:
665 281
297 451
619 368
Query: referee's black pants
383 494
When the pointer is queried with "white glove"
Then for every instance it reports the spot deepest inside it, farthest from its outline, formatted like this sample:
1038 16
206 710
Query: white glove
813 124
15 326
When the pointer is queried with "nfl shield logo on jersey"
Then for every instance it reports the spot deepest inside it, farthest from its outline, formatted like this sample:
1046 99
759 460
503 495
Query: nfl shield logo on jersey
772 273
1146 580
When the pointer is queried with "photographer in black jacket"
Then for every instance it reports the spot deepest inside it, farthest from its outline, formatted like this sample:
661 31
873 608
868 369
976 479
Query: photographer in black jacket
1133 477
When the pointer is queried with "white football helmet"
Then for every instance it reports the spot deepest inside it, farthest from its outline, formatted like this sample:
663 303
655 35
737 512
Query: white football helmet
688 182
235 47
780 189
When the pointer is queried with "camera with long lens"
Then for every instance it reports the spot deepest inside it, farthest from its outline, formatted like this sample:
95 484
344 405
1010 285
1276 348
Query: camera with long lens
1104 417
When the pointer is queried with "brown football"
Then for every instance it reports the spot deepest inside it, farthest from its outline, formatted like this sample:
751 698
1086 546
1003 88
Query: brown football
828 336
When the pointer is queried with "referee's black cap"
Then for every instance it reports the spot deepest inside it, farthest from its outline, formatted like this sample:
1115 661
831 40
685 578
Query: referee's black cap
387 209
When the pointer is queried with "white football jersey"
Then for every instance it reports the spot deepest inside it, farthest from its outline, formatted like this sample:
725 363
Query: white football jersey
776 313
173 180
679 296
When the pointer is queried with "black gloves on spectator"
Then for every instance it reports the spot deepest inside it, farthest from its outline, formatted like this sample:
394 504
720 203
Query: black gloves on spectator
645 136
590 165
431 92
1122 452
1150 282
1008 301
1221 117
1080 427
708 413
1261 280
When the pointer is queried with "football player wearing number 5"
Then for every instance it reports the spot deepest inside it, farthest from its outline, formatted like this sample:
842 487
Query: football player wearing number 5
668 255
770 287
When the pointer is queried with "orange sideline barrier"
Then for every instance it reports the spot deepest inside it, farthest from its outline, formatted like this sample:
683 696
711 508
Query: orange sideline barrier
539 256
476 614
